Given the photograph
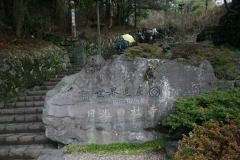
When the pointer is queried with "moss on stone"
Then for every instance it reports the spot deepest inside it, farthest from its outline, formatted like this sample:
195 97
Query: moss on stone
52 60
25 71
27 81
47 73
224 59
58 68
4 89
237 83
145 50
37 75
45 63
8 82
5 65
36 62
27 65
12 82
18 71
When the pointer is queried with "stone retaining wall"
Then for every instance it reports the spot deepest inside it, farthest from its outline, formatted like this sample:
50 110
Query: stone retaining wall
213 34
22 71
73 46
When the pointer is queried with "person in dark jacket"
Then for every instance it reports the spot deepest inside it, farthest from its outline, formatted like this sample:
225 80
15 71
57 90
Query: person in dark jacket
140 36
121 45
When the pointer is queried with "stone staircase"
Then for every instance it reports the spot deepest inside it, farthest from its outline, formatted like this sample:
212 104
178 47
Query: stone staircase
22 132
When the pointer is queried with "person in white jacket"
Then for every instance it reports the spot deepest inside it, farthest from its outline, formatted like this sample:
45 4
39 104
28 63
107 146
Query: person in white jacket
154 31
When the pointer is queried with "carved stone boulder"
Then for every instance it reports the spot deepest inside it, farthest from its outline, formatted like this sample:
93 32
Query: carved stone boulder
117 100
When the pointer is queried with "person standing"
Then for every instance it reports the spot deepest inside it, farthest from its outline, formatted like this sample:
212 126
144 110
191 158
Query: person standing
154 31
121 45
140 36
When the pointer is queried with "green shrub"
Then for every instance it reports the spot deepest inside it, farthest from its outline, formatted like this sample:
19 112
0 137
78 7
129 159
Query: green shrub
27 80
27 65
145 50
212 141
58 68
7 82
214 105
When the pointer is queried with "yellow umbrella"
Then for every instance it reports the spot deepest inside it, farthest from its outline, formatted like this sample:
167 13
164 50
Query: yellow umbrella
128 37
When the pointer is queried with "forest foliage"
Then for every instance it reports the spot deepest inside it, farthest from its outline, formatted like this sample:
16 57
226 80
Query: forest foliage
36 16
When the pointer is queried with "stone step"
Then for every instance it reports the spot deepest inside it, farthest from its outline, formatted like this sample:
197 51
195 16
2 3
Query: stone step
36 93
50 83
55 79
26 118
24 138
56 154
22 127
37 88
25 98
72 70
78 68
19 111
22 132
77 72
31 98
25 152
25 104
67 73
62 75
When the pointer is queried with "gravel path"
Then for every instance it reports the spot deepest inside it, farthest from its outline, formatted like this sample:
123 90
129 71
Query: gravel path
160 155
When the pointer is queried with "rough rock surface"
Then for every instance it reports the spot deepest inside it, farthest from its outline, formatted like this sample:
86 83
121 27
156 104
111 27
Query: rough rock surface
116 100
52 155
79 55
171 148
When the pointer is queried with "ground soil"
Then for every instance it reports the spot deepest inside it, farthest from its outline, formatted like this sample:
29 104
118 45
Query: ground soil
10 42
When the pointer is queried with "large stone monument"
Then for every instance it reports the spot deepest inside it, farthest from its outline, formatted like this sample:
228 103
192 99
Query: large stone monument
116 100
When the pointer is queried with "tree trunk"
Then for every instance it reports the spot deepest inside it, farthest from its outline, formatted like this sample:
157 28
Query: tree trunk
135 14
62 14
17 5
206 4
111 16
118 13
226 5
120 10
7 8
19 9
104 11
122 20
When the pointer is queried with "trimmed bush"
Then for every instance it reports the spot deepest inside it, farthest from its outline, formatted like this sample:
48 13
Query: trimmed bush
214 105
145 50
212 141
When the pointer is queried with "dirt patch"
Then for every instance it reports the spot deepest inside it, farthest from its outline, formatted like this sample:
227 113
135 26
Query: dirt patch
9 42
